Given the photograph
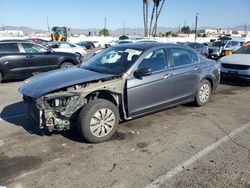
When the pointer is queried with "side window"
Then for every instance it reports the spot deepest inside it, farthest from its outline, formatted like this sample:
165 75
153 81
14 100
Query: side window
155 61
229 44
234 43
9 48
183 57
65 45
33 48
54 46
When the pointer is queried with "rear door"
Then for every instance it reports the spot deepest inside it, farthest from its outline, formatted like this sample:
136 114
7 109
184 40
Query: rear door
13 63
149 92
187 72
39 59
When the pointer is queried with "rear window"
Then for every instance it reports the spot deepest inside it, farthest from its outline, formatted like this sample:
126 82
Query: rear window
9 48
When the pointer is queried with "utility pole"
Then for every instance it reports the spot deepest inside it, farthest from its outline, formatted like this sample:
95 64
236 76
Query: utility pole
124 28
196 22
245 28
48 25
105 23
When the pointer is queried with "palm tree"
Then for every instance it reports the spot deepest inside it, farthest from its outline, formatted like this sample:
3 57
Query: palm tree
145 16
151 20
157 2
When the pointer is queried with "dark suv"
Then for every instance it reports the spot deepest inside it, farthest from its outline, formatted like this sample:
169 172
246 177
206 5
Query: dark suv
23 59
117 84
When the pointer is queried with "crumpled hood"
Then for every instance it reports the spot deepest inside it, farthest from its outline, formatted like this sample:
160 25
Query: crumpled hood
45 83
236 59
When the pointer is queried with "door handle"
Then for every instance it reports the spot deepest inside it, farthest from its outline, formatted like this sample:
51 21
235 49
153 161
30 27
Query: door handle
196 68
167 75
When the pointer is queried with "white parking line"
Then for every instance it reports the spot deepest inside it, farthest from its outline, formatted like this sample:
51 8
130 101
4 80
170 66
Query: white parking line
11 117
163 179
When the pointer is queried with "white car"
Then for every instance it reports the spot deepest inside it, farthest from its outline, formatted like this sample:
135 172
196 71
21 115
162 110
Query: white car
236 65
97 44
68 47
144 40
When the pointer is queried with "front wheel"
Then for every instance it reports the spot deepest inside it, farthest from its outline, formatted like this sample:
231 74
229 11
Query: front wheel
98 120
66 65
203 93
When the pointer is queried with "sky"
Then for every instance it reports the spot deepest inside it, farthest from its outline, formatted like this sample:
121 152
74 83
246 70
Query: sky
90 14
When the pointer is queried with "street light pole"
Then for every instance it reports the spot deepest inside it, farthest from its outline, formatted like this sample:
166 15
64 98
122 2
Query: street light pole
196 22
105 22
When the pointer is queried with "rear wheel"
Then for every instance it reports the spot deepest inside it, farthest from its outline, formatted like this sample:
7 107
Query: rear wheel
98 120
66 64
203 93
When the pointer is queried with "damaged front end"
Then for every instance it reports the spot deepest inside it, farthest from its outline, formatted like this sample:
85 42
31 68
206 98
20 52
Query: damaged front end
55 111
59 109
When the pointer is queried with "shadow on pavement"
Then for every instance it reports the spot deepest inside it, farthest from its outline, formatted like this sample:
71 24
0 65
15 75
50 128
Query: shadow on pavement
15 114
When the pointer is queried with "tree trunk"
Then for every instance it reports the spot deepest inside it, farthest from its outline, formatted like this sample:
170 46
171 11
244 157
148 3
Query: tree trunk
151 21
144 17
146 28
157 16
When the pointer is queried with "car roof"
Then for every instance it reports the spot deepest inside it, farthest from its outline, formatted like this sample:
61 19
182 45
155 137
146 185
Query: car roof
148 45
14 40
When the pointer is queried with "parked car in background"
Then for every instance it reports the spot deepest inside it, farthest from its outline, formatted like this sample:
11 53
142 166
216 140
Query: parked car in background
236 65
97 44
23 59
87 44
120 83
202 49
67 47
125 41
218 48
39 41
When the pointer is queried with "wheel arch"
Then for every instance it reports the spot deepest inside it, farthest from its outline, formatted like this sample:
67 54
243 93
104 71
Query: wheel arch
108 95
61 61
211 81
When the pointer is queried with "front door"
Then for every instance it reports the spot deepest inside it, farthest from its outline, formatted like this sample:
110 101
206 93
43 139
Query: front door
148 92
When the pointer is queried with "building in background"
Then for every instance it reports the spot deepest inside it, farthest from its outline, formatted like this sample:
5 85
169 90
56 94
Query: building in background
11 33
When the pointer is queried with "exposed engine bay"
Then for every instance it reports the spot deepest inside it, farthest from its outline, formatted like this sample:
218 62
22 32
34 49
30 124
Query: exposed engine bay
57 110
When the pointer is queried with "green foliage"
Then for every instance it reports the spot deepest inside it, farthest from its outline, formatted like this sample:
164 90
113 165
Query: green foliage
168 34
104 32
185 29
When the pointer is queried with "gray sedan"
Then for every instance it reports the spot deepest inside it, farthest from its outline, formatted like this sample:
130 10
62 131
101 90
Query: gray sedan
119 84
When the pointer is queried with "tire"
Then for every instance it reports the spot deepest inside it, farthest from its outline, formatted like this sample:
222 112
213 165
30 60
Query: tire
1 77
203 93
104 118
66 65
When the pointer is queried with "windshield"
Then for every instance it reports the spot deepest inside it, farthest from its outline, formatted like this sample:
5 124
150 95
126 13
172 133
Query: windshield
115 60
243 50
217 44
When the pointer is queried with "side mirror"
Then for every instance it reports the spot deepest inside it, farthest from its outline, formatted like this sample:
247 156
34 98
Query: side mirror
142 72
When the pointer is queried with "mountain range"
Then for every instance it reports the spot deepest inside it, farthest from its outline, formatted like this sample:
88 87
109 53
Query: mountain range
117 32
